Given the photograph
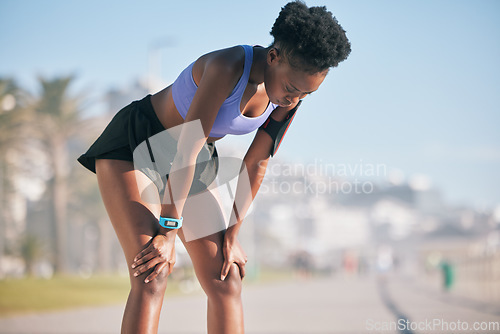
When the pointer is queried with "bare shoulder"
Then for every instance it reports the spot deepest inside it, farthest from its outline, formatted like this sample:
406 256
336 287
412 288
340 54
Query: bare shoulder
225 63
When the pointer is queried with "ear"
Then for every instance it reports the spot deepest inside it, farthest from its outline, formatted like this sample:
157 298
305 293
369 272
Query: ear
273 56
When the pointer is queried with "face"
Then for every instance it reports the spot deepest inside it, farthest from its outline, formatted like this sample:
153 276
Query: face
285 85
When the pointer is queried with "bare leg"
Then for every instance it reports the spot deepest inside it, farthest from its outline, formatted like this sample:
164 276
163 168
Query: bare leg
225 311
135 223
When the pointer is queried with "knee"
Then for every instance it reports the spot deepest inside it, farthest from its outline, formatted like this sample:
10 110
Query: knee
229 288
155 288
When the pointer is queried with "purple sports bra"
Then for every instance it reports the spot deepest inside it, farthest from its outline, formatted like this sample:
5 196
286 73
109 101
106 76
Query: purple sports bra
229 119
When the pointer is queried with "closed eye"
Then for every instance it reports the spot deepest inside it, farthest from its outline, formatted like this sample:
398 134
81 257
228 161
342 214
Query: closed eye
292 89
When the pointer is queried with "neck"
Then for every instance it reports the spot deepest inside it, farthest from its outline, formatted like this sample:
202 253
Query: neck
259 65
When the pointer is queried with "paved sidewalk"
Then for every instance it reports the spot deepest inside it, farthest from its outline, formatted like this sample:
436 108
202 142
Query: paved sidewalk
430 310
328 305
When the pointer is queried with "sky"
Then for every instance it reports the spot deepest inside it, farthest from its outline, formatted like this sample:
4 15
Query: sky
420 92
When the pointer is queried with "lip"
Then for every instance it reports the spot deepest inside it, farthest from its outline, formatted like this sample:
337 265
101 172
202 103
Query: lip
283 105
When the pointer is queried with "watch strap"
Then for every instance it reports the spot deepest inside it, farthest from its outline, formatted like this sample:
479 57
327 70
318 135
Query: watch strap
172 223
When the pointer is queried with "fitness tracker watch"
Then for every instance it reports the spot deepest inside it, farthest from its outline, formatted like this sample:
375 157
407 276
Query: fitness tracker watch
171 223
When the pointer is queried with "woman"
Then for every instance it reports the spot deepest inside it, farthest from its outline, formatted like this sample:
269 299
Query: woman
222 92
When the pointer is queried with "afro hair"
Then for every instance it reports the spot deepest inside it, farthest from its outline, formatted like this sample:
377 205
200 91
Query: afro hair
311 38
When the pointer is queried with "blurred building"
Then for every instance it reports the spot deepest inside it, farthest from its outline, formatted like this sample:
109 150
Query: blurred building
339 227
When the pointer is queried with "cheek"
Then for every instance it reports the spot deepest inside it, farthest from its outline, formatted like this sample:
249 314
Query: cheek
275 94
270 87
276 89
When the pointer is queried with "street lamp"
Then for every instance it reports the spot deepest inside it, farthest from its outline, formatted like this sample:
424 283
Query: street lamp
154 77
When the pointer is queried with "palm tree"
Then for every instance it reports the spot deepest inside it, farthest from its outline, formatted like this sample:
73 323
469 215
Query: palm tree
13 116
58 120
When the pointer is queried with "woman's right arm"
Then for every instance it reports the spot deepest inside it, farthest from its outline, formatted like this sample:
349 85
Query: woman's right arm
217 75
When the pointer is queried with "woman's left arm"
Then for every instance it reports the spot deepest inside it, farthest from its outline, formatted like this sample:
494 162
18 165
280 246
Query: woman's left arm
255 163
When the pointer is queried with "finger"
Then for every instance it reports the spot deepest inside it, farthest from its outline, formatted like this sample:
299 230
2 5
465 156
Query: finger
225 269
170 267
242 270
150 264
159 267
145 258
142 253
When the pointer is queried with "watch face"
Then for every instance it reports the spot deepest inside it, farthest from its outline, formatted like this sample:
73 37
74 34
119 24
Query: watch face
171 223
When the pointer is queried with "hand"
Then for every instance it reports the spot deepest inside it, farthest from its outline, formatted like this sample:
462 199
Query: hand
159 254
233 253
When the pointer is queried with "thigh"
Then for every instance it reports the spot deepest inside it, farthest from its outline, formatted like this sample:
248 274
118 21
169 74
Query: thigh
203 236
204 215
124 191
207 257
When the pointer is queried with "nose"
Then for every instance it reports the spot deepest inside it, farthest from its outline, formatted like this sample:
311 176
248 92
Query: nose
292 99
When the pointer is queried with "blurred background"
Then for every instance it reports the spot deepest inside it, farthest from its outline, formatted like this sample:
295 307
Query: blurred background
388 173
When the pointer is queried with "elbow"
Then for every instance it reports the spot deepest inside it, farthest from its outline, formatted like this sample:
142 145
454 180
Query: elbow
256 157
255 164
251 160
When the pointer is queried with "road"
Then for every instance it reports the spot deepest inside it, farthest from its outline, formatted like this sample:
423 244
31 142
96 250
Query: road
344 305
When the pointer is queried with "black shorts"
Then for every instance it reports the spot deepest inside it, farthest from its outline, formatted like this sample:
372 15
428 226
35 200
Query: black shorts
131 127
